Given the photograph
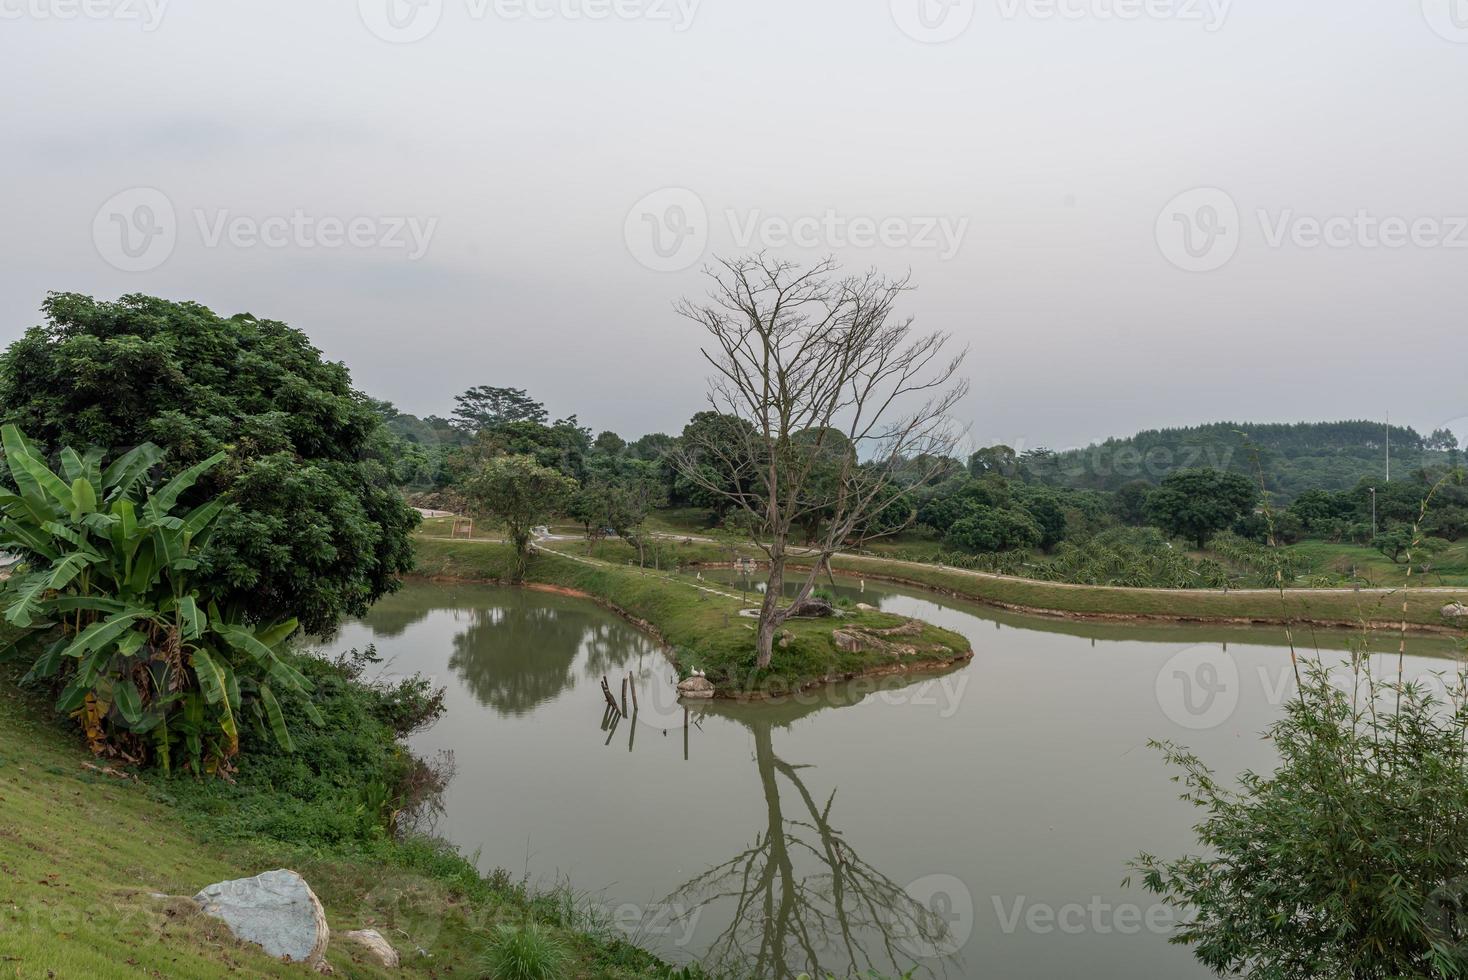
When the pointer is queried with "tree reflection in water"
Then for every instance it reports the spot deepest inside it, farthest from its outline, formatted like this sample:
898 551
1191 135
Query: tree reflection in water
803 899
520 652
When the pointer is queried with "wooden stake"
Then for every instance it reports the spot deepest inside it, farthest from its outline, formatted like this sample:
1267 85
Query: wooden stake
634 694
624 695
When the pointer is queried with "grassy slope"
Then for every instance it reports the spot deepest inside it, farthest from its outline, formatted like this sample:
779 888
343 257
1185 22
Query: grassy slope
704 629
80 853
1342 606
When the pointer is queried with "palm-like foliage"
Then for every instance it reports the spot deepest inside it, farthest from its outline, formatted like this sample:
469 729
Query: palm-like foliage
142 660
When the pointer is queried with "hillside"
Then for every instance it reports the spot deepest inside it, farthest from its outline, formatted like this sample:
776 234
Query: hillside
1294 457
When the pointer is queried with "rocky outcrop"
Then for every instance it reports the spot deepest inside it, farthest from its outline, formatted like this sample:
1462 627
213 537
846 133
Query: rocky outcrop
277 911
857 639
1455 610
379 948
813 608
696 688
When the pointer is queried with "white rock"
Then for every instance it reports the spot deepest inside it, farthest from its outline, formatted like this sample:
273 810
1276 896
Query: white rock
1455 610
276 910
697 687
372 940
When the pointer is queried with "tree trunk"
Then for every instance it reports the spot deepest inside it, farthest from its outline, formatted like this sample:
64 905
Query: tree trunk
769 612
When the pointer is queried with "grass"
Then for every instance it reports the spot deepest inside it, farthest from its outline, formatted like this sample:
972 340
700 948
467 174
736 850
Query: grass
1342 561
81 852
1339 607
704 629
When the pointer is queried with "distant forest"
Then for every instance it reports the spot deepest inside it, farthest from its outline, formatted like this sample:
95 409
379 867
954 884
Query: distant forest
1293 457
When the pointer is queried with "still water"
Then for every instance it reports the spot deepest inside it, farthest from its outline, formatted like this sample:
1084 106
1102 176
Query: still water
973 824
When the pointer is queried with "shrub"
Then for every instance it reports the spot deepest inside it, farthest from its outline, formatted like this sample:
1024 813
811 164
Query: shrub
527 953
1351 858
145 662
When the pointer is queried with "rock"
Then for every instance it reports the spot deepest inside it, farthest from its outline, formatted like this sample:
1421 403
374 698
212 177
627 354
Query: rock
276 910
856 641
1455 610
380 949
863 607
814 607
696 688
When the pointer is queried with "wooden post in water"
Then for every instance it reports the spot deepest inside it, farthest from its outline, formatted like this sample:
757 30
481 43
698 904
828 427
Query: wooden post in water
634 692
606 690
624 695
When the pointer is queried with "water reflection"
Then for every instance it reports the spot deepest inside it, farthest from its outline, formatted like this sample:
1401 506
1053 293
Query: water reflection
800 899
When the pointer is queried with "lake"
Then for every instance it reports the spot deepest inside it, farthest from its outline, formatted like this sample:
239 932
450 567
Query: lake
972 824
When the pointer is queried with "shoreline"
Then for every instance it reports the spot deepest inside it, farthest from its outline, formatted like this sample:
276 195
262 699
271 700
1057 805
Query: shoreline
937 665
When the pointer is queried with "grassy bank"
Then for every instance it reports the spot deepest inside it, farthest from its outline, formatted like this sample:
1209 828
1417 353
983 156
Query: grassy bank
1381 608
81 852
702 625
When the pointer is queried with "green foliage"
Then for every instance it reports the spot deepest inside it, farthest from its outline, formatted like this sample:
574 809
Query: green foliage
348 782
1196 504
529 952
518 493
995 529
145 661
1350 859
313 527
485 407
1294 457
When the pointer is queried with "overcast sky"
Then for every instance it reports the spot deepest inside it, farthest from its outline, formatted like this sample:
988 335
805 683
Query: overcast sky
1123 206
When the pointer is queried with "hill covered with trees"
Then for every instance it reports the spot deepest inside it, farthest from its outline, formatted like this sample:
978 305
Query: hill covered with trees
1294 457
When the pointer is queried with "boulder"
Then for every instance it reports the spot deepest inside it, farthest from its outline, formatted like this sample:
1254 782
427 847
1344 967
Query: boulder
381 950
276 910
696 688
814 607
1455 610
864 607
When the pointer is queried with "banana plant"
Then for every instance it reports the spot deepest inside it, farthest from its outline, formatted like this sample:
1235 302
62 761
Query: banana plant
144 661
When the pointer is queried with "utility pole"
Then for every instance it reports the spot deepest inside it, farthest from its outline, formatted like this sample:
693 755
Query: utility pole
1373 513
1388 447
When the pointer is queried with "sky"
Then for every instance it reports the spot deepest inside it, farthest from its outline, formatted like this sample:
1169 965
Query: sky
1135 213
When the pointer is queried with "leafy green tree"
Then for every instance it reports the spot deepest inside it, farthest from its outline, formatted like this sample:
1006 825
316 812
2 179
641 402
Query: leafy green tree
1196 504
313 527
994 461
1130 502
485 407
995 529
519 494
1350 859
144 658
609 444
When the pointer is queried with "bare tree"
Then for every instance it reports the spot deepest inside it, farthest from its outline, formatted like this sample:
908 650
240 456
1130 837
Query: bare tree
832 401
